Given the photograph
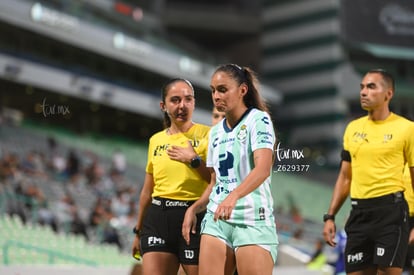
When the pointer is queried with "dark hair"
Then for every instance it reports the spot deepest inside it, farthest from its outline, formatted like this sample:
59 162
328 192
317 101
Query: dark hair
388 78
164 91
249 77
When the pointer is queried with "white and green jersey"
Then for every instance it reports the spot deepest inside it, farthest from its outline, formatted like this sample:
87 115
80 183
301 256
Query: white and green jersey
230 153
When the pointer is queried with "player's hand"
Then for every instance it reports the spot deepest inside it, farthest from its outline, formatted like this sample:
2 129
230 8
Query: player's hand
225 208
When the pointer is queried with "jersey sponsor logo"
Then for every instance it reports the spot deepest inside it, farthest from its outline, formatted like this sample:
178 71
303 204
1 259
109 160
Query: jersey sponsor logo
163 147
225 163
265 141
265 134
215 142
155 241
228 181
221 189
159 149
265 137
380 251
355 258
359 136
189 254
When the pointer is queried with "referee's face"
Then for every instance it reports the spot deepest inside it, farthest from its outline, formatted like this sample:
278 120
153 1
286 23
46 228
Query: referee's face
374 93
179 102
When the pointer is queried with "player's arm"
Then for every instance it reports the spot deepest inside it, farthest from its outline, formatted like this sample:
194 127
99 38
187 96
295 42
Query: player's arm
190 218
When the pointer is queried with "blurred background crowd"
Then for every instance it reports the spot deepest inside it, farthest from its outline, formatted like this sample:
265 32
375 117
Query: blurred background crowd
71 190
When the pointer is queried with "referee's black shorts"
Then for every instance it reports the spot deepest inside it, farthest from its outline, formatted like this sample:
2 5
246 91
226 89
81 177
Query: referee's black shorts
161 230
409 260
377 231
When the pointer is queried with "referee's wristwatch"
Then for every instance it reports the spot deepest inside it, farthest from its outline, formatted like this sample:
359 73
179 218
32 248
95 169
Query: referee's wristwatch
328 217
136 231
195 162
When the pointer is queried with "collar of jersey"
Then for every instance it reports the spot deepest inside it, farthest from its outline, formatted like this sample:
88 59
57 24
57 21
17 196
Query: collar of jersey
228 129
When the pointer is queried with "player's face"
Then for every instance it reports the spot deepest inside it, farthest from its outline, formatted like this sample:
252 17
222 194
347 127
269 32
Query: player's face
374 92
179 102
227 94
216 116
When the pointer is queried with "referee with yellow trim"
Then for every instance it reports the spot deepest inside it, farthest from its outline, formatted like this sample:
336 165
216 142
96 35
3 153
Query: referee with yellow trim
176 176
376 148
